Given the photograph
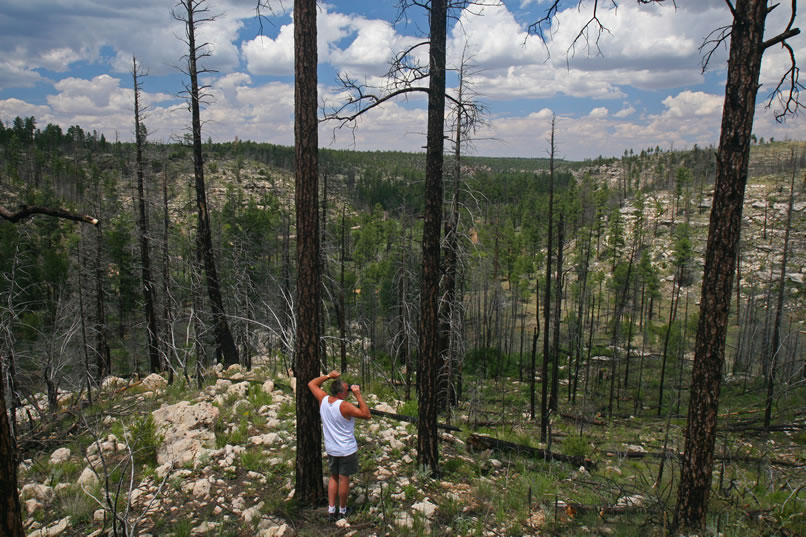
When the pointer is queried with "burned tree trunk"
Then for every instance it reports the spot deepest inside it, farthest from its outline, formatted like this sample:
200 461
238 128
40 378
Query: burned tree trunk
309 489
747 46
428 363
142 230
194 14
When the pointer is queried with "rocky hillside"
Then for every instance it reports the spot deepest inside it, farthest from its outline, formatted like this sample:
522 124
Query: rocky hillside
218 461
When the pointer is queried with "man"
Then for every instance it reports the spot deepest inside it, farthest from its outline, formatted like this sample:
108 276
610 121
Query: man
338 425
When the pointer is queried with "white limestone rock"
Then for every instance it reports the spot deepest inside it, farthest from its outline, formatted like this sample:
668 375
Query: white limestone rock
32 505
42 493
425 507
54 530
187 431
154 383
87 479
267 439
111 383
60 455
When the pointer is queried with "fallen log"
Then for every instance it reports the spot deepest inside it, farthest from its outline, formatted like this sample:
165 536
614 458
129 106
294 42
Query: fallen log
480 442
410 419
577 419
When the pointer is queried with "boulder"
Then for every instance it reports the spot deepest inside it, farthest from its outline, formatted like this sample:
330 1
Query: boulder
60 455
239 389
87 479
425 507
154 382
54 530
42 493
111 383
187 431
32 505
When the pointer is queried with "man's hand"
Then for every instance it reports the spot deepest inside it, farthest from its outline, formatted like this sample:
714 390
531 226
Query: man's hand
361 411
333 374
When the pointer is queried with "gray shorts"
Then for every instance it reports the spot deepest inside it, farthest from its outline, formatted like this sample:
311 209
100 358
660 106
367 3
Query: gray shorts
347 465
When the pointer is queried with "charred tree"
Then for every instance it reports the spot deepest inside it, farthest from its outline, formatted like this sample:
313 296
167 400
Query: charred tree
309 489
193 13
142 227
428 363
747 45
779 309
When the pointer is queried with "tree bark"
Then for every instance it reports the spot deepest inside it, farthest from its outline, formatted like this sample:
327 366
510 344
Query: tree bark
744 65
309 489
428 364
10 512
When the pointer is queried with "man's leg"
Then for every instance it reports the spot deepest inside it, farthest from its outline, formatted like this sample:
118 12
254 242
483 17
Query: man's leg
332 491
344 491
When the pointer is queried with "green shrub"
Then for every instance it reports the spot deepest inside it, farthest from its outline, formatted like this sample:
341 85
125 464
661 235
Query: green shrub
409 408
182 528
258 398
145 440
76 504
576 446
253 461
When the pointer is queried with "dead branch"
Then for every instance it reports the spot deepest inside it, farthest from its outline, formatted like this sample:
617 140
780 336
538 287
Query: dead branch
578 419
28 210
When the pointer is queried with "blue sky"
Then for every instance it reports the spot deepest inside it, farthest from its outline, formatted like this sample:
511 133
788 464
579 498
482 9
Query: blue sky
68 63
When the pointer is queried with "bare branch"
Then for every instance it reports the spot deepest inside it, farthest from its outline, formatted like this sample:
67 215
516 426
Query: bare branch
731 8
787 92
545 23
363 102
266 4
712 42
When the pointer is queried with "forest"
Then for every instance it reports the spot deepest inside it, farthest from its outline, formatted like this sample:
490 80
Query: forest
548 347
607 388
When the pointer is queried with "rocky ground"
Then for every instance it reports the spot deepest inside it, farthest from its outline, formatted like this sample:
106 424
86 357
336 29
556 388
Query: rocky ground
224 465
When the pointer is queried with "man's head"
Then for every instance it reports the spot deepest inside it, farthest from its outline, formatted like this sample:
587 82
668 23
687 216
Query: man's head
339 388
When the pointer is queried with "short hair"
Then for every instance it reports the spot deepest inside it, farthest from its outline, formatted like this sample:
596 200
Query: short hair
337 387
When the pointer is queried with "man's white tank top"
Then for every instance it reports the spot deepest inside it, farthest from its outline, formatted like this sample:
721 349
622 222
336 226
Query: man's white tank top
339 431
